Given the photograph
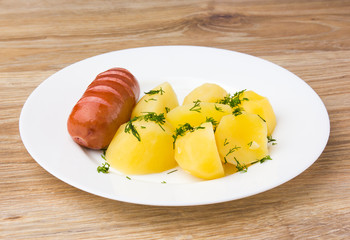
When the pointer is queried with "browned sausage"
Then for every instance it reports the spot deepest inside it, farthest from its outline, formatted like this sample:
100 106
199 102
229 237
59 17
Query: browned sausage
106 104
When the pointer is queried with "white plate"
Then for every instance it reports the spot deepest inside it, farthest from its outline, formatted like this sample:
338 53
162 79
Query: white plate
302 123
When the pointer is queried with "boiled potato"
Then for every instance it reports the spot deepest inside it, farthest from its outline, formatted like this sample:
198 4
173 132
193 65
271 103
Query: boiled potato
153 153
197 113
242 139
160 99
208 92
260 105
196 153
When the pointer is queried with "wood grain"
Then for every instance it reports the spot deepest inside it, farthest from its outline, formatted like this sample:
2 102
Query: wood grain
309 38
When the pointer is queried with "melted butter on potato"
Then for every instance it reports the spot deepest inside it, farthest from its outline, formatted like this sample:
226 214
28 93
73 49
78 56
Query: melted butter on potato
152 154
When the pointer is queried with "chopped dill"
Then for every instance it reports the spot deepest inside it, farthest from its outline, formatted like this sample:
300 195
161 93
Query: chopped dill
153 92
241 167
261 118
219 109
149 116
196 107
151 99
226 142
263 159
233 100
172 171
104 168
182 129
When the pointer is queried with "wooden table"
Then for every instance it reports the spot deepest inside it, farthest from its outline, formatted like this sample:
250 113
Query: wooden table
309 38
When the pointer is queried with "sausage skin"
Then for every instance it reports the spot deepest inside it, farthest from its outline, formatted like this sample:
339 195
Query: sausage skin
106 104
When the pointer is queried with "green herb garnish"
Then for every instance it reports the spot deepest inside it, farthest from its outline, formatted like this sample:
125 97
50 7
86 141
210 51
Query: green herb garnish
172 171
226 142
241 167
149 116
250 143
153 92
104 168
261 118
163 182
130 128
213 121
237 111
128 177
271 140
263 159
167 109
182 129
233 100
219 109
235 148
196 106
151 99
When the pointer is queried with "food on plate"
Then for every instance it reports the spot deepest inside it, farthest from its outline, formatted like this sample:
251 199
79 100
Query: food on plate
106 104
203 137
208 92
143 145
196 151
198 112
242 139
160 99
261 106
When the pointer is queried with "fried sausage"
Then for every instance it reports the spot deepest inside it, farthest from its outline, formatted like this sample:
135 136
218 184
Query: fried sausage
106 104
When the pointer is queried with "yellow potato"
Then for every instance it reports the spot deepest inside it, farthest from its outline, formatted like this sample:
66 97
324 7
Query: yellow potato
160 99
196 114
208 92
242 139
152 154
260 105
196 153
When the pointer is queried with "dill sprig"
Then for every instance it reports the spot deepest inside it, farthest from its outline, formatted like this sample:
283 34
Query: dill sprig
263 159
235 148
213 121
182 129
172 171
261 118
233 100
149 116
151 99
226 142
271 140
237 111
219 109
241 167
130 128
196 107
104 168
153 92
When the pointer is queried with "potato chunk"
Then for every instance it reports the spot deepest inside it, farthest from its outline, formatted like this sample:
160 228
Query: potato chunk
242 139
260 105
208 92
160 99
196 153
197 113
152 154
